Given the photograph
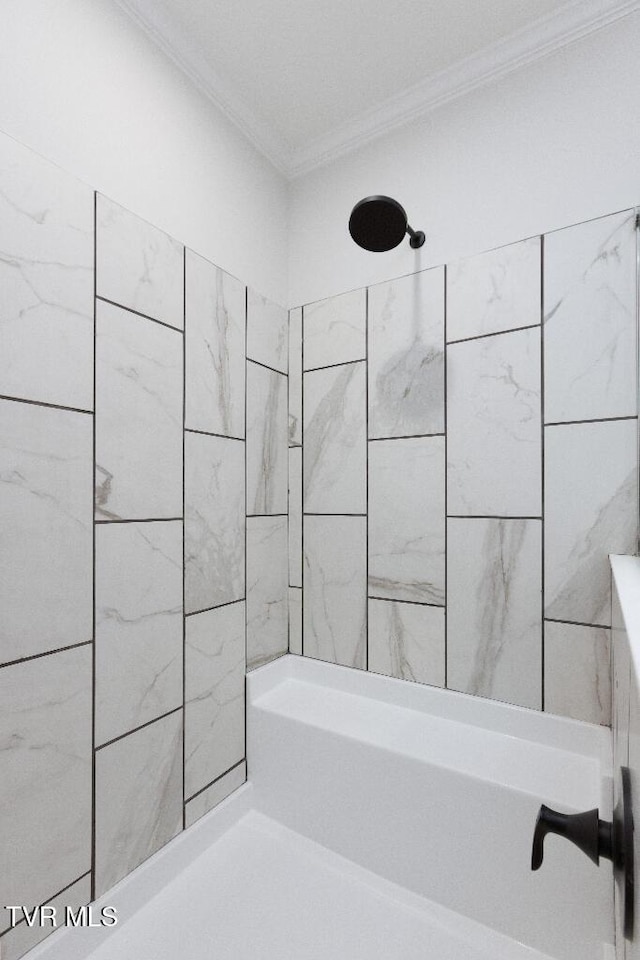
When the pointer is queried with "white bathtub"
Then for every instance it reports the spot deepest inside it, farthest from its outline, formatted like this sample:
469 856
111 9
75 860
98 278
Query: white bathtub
382 819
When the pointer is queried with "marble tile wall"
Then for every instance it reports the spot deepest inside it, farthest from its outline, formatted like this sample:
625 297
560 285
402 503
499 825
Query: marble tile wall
142 418
469 459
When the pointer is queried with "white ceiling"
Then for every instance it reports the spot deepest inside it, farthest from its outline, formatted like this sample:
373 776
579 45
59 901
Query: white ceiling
308 80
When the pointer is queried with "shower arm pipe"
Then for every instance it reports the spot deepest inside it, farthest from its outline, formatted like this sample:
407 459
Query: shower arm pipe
417 237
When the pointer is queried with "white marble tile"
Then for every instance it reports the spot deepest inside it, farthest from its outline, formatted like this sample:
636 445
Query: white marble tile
267 332
267 445
15 943
214 349
407 519
215 794
591 497
577 672
590 320
407 641
46 518
494 628
137 265
295 620
46 278
138 417
493 426
335 590
406 355
267 590
214 521
45 771
214 694
138 624
138 805
295 516
335 440
620 684
497 290
335 330
295 376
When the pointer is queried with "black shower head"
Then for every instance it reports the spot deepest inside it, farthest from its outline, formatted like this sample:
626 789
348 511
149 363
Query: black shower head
380 223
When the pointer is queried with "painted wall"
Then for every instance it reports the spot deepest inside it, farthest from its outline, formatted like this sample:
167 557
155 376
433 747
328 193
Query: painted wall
553 144
82 85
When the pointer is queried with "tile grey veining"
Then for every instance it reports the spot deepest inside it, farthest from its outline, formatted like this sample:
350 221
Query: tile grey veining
577 672
590 320
335 590
138 624
267 332
214 694
406 355
494 629
295 376
46 278
267 446
215 344
335 440
407 641
137 265
15 943
295 620
497 290
214 521
215 794
407 519
335 330
295 517
46 517
138 798
591 497
267 590
45 771
494 446
138 417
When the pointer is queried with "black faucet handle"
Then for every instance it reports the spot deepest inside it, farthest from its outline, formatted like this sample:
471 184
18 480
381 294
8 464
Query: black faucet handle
586 830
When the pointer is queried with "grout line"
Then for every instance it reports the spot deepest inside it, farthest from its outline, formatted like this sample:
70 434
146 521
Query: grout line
217 606
216 780
137 313
497 333
143 726
50 406
141 520
414 603
257 516
184 513
93 551
307 514
409 436
478 516
578 623
266 366
331 366
45 653
209 433
568 423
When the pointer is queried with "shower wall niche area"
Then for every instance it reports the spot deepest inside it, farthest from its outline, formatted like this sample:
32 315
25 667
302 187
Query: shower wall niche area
128 617
463 458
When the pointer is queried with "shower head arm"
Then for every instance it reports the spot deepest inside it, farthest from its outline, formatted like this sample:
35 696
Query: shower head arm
417 237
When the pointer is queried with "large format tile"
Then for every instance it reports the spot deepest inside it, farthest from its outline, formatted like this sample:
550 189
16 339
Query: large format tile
494 445
138 624
335 440
138 417
497 290
267 589
45 771
335 590
22 937
407 519
137 265
267 446
295 517
208 799
295 620
577 672
295 376
335 330
494 609
267 332
590 320
406 355
214 349
591 507
407 641
214 527
47 529
46 277
138 805
214 694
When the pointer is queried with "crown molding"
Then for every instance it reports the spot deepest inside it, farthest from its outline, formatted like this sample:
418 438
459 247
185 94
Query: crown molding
571 22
